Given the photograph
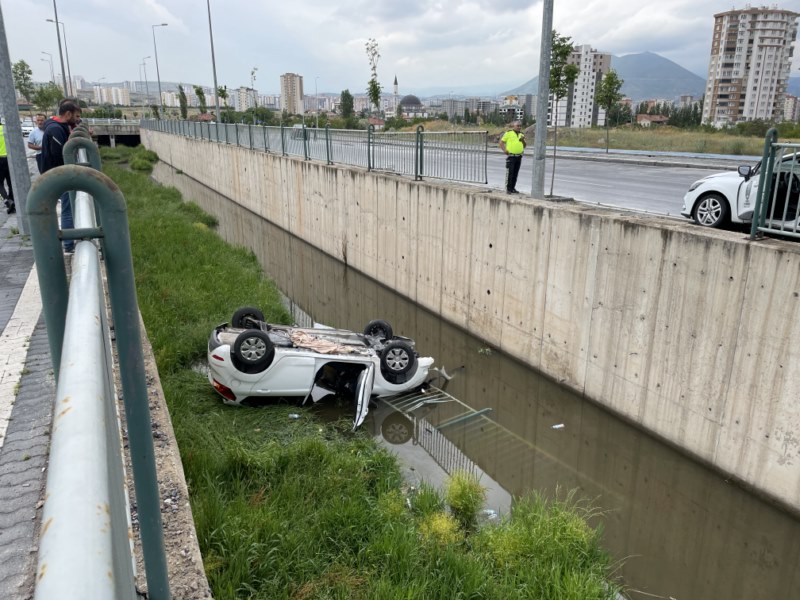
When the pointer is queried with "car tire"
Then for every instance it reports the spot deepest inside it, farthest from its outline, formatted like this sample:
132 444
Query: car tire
397 358
397 428
243 318
380 329
712 210
253 351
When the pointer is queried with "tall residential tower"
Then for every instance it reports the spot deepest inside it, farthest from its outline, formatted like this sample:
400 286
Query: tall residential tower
751 55
292 93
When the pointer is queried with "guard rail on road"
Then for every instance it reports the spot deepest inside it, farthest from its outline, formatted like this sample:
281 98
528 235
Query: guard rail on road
85 546
450 155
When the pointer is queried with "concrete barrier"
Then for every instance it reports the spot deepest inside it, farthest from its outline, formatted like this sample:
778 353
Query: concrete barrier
687 332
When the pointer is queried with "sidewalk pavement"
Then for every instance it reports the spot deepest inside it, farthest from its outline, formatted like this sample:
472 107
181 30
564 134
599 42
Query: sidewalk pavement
27 390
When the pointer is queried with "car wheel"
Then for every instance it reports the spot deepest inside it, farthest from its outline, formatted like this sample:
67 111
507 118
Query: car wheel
397 358
397 428
253 351
243 318
711 211
380 329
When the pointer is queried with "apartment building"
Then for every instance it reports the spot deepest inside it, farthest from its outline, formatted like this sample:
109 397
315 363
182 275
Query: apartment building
292 93
114 95
243 98
578 108
751 55
791 108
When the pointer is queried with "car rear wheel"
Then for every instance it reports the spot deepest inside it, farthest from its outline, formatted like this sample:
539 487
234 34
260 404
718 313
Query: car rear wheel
379 328
252 351
397 358
712 210
245 317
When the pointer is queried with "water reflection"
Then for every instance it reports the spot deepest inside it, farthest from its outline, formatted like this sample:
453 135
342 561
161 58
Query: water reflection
683 531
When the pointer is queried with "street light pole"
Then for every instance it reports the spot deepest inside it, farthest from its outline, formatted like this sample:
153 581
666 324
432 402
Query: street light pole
158 73
146 85
316 104
66 51
213 61
543 93
60 53
253 86
52 73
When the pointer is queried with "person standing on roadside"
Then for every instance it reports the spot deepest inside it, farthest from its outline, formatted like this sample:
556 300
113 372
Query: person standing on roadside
513 145
5 175
56 134
35 139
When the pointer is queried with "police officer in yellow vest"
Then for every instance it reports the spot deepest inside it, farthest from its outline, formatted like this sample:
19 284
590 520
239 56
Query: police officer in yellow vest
513 144
5 175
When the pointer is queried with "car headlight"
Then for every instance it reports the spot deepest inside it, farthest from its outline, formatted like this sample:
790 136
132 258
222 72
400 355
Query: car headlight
695 185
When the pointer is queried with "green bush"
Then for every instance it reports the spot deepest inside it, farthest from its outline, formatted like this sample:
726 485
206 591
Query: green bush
465 496
138 163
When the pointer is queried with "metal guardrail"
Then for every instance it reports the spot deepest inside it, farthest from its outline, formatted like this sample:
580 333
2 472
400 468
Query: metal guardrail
777 209
454 156
85 545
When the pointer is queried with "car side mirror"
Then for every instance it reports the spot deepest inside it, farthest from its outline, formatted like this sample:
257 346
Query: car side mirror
745 171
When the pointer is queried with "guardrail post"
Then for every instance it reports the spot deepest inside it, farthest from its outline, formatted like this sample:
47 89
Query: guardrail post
250 135
305 142
370 132
283 140
125 311
418 153
236 130
485 157
767 160
328 143
266 138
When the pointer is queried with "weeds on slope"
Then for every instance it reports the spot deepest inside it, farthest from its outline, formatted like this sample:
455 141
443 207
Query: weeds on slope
299 508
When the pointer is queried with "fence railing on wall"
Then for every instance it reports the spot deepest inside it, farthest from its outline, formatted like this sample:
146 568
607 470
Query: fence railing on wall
777 209
450 155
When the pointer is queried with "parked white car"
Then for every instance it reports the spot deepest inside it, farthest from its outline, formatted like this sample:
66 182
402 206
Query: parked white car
251 358
27 126
729 197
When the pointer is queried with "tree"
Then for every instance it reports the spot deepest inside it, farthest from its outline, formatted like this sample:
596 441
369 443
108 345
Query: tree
608 95
222 92
562 76
23 79
346 108
201 98
183 103
156 113
373 87
47 97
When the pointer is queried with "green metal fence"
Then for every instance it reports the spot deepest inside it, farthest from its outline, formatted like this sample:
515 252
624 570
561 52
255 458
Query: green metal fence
777 209
455 156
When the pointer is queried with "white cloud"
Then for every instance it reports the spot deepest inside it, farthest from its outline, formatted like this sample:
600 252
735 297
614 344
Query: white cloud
424 42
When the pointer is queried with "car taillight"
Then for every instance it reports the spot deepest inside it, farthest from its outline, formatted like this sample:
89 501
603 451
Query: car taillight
224 391
217 357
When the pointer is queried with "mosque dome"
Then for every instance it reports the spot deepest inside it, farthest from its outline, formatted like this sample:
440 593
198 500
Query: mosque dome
410 101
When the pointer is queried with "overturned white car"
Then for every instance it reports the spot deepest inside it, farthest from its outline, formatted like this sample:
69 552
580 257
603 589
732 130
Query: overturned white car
251 357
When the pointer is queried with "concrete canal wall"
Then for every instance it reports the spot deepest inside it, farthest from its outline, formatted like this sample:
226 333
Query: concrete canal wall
687 332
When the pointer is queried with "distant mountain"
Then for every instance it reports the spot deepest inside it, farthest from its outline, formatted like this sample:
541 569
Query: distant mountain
646 75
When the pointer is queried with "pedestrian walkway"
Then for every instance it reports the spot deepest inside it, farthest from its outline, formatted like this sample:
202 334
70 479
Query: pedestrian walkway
27 389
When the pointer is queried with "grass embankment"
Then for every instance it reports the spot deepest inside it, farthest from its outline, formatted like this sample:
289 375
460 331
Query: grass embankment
303 508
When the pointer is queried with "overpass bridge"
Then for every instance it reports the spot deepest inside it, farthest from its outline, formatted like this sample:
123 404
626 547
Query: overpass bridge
114 130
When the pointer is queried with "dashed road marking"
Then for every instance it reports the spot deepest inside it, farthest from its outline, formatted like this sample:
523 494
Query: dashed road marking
14 344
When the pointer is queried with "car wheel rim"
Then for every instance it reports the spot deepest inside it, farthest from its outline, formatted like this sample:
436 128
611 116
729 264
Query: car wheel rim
396 432
397 359
709 211
253 348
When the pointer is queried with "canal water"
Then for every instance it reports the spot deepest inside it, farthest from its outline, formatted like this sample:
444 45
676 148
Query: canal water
678 529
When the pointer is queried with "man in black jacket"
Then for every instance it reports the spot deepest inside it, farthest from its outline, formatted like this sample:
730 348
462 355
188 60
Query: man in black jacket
56 134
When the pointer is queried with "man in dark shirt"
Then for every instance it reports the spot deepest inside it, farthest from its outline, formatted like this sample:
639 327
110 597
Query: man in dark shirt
56 134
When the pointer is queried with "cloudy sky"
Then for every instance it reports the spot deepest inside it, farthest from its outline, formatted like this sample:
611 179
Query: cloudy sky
428 44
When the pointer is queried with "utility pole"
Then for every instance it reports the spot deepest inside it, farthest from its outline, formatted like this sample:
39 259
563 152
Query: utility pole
540 139
60 53
17 160
213 60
